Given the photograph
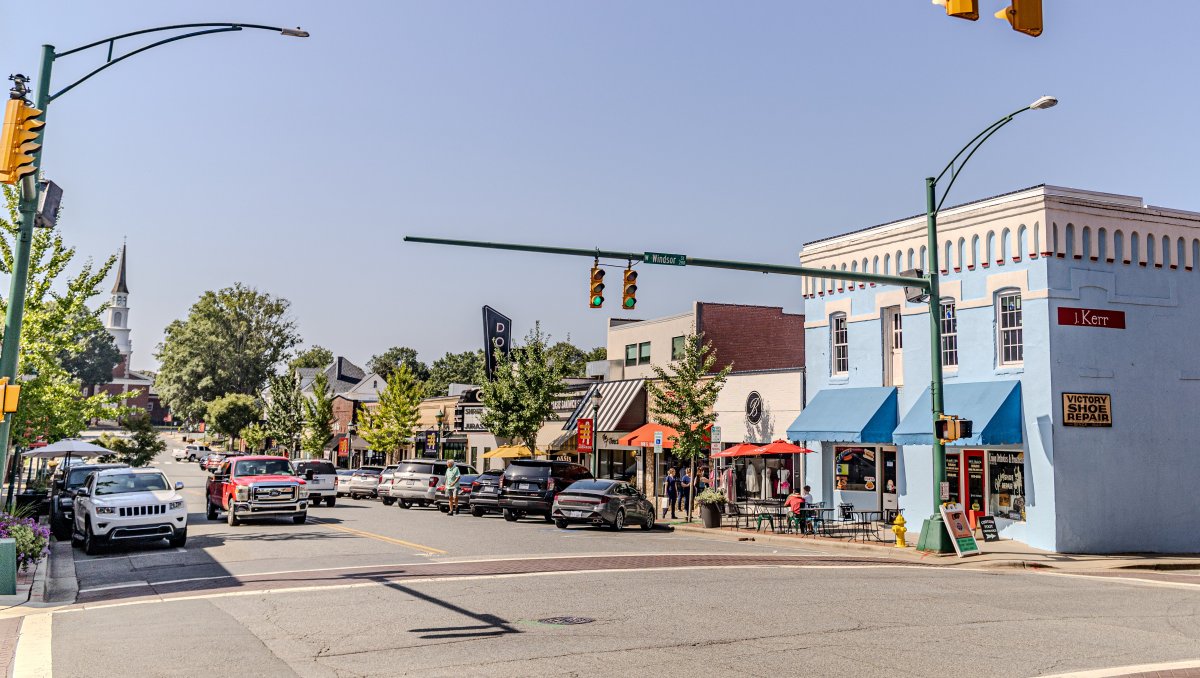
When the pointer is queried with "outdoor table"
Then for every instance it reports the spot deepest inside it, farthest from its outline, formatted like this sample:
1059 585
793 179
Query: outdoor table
863 521
771 509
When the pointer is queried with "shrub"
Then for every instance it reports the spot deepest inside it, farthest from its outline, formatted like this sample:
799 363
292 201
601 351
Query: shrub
33 540
711 496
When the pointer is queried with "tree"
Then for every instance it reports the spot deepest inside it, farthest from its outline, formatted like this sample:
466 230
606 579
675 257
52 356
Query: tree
230 342
317 356
318 417
453 368
140 448
570 357
388 425
95 357
255 436
598 353
231 413
521 396
684 398
385 363
57 320
285 411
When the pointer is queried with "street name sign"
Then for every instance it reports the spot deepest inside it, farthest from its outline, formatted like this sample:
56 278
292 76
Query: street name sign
664 259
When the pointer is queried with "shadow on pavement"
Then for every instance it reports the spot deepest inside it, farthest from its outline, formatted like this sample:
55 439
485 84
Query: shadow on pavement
491 624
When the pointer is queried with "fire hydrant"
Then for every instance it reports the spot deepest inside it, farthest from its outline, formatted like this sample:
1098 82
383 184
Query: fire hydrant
899 529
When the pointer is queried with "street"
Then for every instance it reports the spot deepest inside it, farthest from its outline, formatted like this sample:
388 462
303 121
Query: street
370 590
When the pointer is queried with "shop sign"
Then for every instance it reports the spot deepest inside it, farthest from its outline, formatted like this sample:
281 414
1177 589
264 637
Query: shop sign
1087 409
988 525
497 336
469 419
431 442
754 407
1091 317
585 435
960 530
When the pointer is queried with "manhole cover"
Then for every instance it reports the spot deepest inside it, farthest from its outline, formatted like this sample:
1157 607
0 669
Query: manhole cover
566 621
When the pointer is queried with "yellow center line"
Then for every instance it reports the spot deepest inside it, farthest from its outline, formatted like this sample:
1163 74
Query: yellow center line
380 537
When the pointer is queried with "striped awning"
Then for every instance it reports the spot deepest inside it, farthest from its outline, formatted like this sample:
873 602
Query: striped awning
615 399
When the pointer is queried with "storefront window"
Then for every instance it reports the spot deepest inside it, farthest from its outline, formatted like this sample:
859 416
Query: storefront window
1007 474
854 469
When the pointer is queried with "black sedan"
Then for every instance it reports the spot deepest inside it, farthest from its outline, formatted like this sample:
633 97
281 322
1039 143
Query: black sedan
485 493
608 503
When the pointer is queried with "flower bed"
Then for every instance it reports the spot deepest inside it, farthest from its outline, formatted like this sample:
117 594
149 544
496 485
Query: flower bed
33 540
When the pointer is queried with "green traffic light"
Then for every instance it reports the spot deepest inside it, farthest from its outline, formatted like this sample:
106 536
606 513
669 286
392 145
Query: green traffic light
597 301
630 302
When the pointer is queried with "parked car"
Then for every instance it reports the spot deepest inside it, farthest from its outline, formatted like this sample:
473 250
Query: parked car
365 482
385 481
256 486
321 479
211 460
442 500
485 492
62 496
605 503
529 485
191 453
342 482
416 481
128 505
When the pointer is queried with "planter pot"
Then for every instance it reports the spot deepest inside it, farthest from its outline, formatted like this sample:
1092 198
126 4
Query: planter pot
710 514
36 499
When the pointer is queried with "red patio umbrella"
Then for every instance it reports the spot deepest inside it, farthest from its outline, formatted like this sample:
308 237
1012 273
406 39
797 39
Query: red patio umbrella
738 450
780 447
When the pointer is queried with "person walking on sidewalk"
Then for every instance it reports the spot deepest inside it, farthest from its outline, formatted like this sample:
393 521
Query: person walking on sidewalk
671 489
685 490
453 476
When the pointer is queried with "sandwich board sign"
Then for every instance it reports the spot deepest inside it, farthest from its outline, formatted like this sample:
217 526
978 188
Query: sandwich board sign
959 528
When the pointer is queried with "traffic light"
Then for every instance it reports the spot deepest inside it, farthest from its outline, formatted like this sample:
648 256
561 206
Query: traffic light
1025 16
963 9
18 140
596 293
949 428
629 290
10 396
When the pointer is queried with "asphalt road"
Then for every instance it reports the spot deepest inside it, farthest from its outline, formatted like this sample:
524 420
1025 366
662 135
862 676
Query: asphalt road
372 590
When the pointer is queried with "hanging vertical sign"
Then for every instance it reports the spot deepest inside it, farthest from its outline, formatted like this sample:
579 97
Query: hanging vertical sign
497 336
959 528
715 437
585 435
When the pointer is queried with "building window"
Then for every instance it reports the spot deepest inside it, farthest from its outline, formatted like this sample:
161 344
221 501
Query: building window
644 353
841 344
1008 321
949 334
1007 496
854 469
677 348
897 332
630 355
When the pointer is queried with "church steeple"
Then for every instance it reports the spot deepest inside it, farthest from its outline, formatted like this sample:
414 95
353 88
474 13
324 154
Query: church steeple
118 311
120 287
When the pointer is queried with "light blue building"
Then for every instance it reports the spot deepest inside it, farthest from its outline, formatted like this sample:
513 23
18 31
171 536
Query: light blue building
1068 325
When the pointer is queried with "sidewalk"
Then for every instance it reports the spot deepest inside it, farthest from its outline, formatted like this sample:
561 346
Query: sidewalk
999 554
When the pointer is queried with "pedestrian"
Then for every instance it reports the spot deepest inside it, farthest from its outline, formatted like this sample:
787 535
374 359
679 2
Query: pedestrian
453 475
685 491
671 490
807 496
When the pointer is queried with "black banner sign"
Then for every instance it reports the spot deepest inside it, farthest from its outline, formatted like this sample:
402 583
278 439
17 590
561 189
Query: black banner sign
988 525
497 334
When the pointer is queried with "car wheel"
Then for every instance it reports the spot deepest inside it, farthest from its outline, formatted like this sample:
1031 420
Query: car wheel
300 518
91 543
619 521
476 511
388 501
549 518
444 508
76 540
510 515
330 501
560 524
231 517
649 522
179 539
210 511
404 503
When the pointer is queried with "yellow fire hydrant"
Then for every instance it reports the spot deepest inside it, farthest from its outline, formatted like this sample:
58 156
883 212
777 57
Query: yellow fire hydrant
899 529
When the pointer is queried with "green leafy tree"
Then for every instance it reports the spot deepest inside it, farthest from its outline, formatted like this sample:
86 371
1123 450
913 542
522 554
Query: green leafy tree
598 353
58 320
94 358
570 357
230 342
386 363
522 395
255 436
391 423
453 368
684 398
317 356
140 448
285 411
318 417
231 413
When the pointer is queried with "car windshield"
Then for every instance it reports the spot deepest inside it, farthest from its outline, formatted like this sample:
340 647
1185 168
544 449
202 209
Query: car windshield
262 467
121 483
78 477
527 471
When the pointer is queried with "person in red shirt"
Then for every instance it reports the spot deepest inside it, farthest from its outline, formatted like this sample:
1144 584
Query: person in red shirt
795 501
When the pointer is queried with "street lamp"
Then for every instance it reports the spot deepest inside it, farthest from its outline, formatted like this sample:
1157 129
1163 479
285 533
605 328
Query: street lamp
441 419
597 398
30 188
933 533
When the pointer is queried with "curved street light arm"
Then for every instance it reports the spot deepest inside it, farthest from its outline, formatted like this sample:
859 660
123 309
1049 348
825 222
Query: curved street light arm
227 24
972 146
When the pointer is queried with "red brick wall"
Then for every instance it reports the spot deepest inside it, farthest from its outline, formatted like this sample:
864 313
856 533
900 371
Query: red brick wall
343 410
752 337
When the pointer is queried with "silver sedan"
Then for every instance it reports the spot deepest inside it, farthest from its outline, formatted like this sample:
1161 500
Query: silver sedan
605 503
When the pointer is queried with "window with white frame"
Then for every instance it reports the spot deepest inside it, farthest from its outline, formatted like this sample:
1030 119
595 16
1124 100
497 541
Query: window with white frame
949 334
1010 342
841 343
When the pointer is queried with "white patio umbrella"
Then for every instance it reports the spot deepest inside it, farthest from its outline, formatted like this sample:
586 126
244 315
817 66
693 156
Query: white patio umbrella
71 447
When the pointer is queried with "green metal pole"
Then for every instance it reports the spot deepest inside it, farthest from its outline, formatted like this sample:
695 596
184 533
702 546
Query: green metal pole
21 252
933 533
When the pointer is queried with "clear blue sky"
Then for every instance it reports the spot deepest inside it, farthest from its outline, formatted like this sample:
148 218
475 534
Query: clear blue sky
725 129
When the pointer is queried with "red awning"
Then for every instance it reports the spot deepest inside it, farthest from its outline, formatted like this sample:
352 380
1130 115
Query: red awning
644 436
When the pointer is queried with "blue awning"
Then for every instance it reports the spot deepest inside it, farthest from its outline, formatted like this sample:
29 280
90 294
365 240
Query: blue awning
994 408
848 415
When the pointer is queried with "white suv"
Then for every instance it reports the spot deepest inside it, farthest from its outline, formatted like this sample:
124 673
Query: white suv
192 453
128 504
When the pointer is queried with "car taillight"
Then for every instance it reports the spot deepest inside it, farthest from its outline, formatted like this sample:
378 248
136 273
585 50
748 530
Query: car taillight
441 488
502 481
475 485
550 484
433 482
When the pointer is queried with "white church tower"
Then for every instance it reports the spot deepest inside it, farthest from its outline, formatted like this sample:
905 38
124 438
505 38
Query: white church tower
118 316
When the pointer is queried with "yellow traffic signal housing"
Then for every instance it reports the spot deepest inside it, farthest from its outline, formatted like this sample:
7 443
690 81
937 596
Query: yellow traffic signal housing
596 290
1024 16
12 398
950 428
629 290
18 140
963 9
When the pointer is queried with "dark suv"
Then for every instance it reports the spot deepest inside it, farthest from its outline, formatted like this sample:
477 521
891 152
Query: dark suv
62 503
529 486
485 493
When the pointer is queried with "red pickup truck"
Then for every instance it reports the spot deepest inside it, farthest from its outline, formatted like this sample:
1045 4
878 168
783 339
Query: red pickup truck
256 486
